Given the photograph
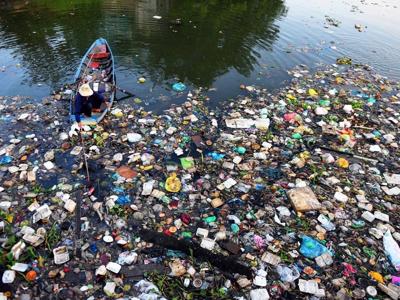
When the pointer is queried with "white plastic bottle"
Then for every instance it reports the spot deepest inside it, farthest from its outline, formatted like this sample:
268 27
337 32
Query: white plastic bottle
392 250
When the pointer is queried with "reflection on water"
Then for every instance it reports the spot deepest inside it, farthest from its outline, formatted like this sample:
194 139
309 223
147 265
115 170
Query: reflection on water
194 41
212 38
217 44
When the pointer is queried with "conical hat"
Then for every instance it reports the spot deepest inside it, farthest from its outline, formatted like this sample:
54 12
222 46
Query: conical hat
85 90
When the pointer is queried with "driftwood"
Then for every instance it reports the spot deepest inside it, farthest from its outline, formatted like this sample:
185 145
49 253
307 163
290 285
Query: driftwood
224 263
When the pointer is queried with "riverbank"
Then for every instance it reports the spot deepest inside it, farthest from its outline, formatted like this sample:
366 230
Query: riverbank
300 185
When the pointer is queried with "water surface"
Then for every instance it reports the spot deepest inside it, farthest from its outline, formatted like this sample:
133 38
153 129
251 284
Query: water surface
217 45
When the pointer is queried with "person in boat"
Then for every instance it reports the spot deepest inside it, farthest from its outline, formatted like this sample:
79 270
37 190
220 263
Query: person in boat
87 101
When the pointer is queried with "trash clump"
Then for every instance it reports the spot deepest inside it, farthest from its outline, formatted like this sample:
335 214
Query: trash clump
291 194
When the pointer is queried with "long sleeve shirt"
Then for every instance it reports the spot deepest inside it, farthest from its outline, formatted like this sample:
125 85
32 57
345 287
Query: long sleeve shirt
79 100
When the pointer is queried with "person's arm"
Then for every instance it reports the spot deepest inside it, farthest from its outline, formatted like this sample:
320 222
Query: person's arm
78 108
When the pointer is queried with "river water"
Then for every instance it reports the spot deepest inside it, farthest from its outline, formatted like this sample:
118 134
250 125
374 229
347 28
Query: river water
217 45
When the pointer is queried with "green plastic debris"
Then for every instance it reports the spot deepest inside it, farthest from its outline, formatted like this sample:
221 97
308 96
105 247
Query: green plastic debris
358 224
210 219
186 139
251 216
186 234
296 136
235 228
370 252
324 102
290 144
344 61
187 162
166 199
240 150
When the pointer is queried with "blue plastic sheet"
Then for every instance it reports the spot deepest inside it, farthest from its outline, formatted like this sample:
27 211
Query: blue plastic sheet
93 248
215 155
179 87
5 160
123 200
311 248
359 94
259 187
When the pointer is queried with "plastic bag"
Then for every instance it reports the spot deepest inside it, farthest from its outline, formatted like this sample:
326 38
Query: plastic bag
312 92
216 156
187 163
127 258
173 184
377 276
326 223
342 162
392 250
5 160
288 274
148 291
179 87
311 248
123 200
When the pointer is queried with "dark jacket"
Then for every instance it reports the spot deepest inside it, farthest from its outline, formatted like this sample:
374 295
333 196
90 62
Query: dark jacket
95 100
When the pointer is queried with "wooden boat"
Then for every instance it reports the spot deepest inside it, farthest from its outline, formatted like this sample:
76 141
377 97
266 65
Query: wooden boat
96 68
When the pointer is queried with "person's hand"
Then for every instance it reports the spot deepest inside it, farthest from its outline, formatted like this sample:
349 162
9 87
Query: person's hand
80 126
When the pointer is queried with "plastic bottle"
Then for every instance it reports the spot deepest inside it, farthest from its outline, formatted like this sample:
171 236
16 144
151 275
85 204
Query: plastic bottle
392 250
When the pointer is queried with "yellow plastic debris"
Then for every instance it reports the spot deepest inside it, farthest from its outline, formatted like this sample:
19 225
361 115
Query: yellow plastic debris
9 218
312 92
305 155
173 184
339 80
146 168
41 261
376 276
342 162
105 135
290 97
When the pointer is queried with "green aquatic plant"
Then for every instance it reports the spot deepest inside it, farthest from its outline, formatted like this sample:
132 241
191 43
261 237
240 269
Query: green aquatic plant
52 237
118 210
